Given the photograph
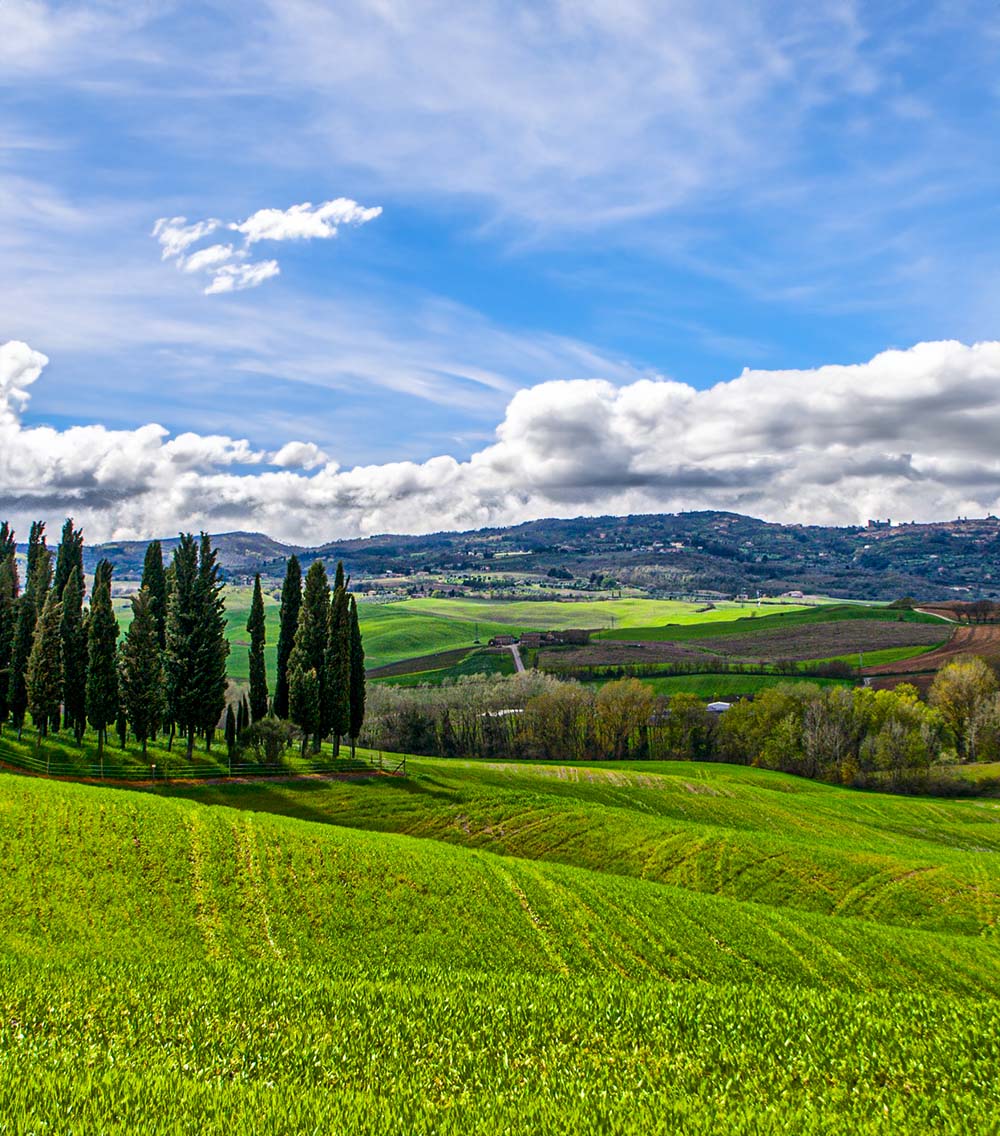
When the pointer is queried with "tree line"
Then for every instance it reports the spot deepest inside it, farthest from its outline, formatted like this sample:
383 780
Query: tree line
62 663
849 735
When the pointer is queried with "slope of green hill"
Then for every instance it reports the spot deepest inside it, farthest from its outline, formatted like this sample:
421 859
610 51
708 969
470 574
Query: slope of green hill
168 965
726 830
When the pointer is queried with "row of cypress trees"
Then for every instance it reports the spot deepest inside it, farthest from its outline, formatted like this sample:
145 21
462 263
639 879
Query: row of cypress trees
320 682
62 663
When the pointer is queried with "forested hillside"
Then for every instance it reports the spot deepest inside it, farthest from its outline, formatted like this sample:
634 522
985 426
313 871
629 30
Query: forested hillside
662 554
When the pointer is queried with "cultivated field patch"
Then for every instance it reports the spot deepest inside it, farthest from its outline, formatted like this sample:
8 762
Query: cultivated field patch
980 639
824 640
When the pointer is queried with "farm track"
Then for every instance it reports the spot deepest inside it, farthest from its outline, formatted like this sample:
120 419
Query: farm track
981 639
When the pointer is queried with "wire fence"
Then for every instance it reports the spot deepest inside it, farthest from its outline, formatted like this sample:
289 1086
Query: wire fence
110 770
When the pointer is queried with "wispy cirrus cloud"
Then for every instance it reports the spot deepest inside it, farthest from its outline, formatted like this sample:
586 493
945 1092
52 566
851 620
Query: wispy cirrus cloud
228 267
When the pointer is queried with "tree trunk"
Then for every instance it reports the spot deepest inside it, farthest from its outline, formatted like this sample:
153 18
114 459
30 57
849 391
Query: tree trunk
190 743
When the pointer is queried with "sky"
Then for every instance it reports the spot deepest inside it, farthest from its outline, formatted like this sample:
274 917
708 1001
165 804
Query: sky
324 269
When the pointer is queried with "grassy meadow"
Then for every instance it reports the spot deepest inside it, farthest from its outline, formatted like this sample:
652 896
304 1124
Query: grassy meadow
484 948
544 615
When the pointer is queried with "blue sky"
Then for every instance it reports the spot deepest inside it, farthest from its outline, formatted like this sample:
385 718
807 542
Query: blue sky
587 191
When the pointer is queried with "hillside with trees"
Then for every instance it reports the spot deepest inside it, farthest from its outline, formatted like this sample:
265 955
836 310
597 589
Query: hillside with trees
661 554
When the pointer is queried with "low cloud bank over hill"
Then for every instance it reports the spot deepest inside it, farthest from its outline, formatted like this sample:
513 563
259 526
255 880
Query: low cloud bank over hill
911 434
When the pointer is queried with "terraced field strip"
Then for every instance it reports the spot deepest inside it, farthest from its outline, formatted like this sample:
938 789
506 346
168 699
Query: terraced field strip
421 663
822 640
980 639
679 631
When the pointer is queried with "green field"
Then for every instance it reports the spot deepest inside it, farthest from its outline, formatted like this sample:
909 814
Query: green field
473 662
885 655
754 623
712 687
546 615
391 631
659 948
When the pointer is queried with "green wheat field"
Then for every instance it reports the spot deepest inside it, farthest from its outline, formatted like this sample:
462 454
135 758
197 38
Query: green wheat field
498 948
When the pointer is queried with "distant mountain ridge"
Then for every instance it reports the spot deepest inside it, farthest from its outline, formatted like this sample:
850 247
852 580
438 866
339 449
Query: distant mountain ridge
664 553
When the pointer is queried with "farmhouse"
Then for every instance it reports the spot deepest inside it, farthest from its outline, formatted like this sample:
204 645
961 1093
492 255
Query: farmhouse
503 640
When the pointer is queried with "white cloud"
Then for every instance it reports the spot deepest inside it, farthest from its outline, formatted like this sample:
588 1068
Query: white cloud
236 277
299 455
20 366
910 433
303 222
208 258
228 268
175 234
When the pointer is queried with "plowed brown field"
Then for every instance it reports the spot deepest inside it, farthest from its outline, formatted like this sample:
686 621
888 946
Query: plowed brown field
981 639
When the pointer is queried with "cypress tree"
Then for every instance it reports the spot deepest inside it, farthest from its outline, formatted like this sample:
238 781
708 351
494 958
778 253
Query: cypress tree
140 671
39 562
44 676
74 656
121 727
102 673
291 603
231 729
258 669
357 717
154 580
310 646
338 579
337 689
20 652
8 542
212 645
303 696
39 575
69 558
8 621
183 613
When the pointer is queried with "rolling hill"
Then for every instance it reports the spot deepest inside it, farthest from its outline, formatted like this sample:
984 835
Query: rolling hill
661 554
494 948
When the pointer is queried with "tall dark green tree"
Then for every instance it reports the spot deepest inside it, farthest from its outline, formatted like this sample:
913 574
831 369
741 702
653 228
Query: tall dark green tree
258 668
213 647
231 729
39 567
336 687
8 615
309 650
196 642
154 580
69 559
44 677
182 623
303 697
357 697
140 671
102 671
29 604
74 657
291 603
8 542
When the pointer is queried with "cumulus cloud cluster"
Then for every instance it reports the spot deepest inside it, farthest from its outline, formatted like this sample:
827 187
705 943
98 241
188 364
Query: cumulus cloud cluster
910 433
228 267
